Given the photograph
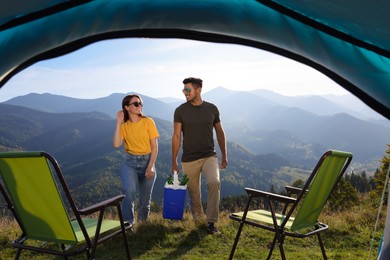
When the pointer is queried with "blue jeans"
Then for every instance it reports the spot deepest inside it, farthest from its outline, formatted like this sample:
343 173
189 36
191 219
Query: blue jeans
133 179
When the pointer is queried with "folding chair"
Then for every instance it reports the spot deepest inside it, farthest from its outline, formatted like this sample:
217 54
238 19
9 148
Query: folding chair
36 193
306 207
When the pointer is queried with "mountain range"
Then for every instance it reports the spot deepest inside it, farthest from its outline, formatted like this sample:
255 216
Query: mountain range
262 121
320 105
82 144
271 141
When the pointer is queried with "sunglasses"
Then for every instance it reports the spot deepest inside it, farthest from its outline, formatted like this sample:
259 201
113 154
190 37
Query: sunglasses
187 90
136 104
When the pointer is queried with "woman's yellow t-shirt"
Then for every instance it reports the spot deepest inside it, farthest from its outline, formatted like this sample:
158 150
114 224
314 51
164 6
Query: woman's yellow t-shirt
137 135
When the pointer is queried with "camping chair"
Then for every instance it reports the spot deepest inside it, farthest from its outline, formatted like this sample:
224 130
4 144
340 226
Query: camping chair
35 191
307 205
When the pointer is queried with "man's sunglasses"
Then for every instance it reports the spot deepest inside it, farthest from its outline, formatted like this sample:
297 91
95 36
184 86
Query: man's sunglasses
136 104
187 90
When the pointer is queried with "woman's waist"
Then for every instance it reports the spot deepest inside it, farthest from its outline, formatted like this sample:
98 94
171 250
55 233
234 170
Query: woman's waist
138 156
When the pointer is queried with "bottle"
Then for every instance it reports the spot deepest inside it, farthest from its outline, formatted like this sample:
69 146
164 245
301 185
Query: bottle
184 180
170 180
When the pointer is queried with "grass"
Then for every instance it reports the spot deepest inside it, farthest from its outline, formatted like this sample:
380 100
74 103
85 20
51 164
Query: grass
349 237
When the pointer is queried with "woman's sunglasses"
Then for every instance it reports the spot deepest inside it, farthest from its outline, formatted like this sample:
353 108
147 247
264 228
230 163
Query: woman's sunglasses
136 104
187 90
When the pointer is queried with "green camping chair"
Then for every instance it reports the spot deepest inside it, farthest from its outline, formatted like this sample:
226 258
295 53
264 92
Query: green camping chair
35 191
306 206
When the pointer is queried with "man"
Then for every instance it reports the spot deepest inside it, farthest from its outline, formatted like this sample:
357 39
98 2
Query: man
196 119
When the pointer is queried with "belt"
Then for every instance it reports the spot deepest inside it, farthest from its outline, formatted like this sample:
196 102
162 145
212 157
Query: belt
139 156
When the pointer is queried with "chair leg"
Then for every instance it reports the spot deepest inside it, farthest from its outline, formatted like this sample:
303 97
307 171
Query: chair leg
280 239
126 242
127 247
93 250
88 254
271 249
63 250
236 240
280 244
17 255
322 246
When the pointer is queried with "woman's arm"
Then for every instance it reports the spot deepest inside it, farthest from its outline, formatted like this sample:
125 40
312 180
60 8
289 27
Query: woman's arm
117 140
153 156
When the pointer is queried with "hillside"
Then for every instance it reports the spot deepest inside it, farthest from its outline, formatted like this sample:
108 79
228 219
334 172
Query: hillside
82 143
350 237
297 128
108 105
262 142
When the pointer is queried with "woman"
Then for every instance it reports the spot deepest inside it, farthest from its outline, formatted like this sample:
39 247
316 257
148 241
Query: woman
140 135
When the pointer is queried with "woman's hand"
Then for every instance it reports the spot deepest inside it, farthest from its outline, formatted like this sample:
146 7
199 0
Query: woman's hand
117 140
120 116
149 172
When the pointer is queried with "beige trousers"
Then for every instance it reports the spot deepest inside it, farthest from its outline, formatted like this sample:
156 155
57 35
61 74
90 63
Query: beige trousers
208 167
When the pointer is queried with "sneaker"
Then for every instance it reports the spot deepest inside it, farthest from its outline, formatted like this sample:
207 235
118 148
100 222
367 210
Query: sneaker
129 226
211 229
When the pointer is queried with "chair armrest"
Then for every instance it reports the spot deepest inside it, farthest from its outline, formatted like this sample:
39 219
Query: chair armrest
272 196
293 190
101 205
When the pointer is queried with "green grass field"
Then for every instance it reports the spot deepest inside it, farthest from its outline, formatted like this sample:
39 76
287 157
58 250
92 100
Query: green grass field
350 237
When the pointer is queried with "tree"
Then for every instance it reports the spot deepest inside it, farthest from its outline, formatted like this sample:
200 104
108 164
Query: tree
359 181
380 176
298 183
344 196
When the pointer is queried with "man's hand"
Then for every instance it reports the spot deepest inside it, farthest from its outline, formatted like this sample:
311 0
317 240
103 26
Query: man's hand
224 163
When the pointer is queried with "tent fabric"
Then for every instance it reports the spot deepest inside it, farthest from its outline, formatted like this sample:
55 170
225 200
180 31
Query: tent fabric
349 41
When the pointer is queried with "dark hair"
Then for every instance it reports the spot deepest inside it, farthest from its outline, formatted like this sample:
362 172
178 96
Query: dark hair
196 82
126 101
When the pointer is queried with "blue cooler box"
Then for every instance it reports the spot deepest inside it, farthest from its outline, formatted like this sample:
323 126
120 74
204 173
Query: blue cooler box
174 200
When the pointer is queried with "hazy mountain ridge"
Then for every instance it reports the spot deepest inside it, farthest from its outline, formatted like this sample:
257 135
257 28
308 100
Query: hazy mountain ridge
264 125
19 124
263 137
108 105
321 105
229 100
341 131
324 104
262 121
82 144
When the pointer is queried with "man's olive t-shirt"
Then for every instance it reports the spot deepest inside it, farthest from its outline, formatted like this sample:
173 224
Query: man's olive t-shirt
197 126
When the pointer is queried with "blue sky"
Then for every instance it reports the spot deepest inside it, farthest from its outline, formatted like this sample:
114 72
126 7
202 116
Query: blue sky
156 68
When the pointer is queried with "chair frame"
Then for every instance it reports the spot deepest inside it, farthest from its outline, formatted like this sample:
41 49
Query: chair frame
90 243
290 205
